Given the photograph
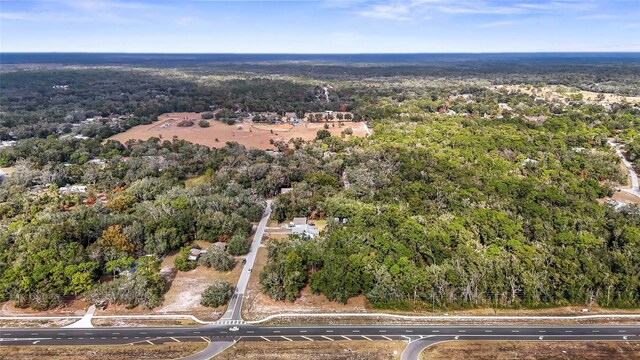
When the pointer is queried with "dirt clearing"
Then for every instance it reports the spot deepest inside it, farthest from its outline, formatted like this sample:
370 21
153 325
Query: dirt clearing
163 351
533 350
317 350
217 134
184 294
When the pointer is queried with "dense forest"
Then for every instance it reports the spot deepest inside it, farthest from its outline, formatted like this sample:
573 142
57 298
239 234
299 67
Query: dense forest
461 213
464 196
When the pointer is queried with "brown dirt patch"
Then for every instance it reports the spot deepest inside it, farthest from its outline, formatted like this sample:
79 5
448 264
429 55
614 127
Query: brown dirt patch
256 136
626 197
532 350
163 351
370 350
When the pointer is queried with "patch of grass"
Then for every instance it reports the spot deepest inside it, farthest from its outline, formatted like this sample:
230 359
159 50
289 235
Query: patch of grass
533 350
116 352
319 350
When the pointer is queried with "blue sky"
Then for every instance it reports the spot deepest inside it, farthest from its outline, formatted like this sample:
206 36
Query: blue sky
326 26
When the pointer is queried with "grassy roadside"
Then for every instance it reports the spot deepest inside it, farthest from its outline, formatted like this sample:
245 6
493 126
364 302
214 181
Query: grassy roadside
532 350
317 350
162 351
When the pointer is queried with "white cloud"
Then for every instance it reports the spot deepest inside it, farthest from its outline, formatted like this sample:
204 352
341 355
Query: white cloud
406 9
14 16
499 23
391 11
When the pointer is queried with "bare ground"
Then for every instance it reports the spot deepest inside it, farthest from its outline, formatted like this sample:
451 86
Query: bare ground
532 350
256 136
163 351
317 350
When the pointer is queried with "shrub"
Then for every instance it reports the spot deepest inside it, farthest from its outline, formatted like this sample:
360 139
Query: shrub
238 245
203 123
182 262
217 294
323 134
218 259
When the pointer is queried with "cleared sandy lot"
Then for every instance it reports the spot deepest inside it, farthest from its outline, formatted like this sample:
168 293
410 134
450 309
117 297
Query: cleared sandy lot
218 133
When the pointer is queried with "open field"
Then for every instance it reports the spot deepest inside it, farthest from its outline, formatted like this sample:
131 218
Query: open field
168 350
532 350
317 350
257 136
551 91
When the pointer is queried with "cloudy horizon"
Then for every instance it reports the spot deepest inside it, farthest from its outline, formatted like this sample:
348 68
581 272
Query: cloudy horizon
331 26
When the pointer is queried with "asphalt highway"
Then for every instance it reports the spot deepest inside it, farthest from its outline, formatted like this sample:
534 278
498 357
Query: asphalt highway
156 335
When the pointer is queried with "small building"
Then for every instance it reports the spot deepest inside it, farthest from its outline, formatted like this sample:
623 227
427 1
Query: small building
308 230
300 226
98 162
194 254
299 221
7 143
73 189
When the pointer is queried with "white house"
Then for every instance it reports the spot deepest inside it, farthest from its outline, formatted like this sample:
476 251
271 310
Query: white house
300 226
73 189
